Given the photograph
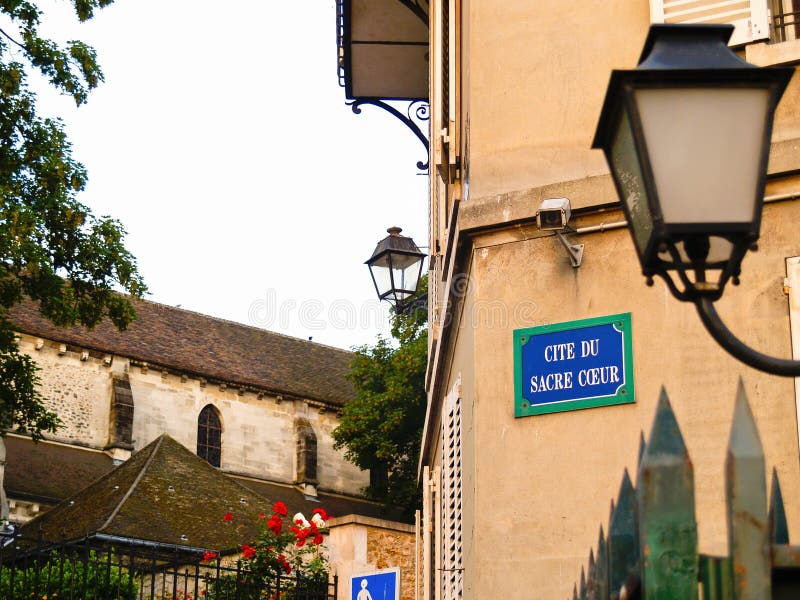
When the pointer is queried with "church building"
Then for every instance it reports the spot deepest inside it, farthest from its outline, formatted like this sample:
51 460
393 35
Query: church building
258 405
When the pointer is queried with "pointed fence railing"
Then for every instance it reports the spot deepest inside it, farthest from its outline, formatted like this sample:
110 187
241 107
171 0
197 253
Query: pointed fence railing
650 551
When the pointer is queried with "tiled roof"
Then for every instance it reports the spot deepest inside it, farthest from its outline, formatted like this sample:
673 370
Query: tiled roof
164 494
209 347
51 472
48 472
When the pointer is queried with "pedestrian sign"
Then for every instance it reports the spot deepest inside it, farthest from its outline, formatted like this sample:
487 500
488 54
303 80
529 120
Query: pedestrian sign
376 585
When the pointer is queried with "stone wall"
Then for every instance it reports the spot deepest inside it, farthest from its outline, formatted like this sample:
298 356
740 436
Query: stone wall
359 545
258 436
76 386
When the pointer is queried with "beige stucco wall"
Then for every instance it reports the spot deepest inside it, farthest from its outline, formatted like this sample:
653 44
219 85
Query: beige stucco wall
537 77
533 82
551 477
536 490
258 433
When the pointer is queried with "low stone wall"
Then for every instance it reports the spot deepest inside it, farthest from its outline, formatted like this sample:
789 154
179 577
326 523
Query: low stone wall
362 544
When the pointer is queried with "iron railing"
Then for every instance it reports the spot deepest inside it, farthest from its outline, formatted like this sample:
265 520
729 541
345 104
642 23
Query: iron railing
651 548
85 570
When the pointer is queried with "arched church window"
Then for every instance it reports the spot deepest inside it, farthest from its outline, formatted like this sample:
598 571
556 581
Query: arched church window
209 435
306 452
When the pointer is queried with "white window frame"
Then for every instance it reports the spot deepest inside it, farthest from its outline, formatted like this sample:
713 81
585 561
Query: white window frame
751 28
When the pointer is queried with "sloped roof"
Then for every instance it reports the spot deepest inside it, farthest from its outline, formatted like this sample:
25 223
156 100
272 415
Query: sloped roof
47 472
51 472
135 501
209 347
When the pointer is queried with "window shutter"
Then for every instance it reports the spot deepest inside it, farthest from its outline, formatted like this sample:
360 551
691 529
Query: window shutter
791 286
749 17
452 564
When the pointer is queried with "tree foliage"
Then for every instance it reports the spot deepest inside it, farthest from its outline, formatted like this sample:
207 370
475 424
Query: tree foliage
381 429
52 248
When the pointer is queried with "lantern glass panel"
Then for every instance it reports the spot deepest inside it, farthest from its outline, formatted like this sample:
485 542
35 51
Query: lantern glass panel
704 147
405 272
628 173
381 272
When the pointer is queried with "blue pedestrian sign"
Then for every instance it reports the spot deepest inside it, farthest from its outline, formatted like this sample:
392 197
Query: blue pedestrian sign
376 585
578 364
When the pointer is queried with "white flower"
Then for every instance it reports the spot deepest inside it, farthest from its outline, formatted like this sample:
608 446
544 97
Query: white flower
299 519
318 521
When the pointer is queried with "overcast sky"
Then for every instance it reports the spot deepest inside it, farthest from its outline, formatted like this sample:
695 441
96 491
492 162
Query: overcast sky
222 141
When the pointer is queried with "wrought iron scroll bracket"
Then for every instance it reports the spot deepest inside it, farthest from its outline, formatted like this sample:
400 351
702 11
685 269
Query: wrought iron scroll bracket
420 109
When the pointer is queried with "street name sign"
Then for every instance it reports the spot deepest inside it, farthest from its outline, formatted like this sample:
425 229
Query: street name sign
573 365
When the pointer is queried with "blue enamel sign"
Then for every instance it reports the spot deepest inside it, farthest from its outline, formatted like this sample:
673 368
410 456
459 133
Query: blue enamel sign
579 364
377 585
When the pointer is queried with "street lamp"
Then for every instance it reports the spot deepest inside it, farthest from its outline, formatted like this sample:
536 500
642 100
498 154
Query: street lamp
686 135
396 267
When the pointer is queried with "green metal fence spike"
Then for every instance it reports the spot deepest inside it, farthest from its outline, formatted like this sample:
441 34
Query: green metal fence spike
601 568
642 443
574 591
583 585
778 527
623 540
591 579
611 514
642 448
665 498
746 487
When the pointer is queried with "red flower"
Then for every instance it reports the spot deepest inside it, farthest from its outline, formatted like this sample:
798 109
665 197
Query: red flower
228 517
248 551
301 542
280 508
287 568
317 539
275 524
209 556
321 512
261 515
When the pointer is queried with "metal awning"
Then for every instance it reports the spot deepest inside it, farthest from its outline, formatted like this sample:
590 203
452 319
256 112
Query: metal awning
383 49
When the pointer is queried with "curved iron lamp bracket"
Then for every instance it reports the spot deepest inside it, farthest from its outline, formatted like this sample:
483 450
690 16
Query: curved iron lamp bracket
725 338
418 111
413 304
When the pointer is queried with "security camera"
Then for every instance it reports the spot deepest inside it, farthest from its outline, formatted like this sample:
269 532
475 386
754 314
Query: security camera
553 214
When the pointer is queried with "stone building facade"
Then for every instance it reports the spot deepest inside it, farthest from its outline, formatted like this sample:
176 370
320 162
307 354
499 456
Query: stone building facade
274 399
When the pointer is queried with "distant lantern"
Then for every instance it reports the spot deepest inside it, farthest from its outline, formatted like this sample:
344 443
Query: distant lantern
396 267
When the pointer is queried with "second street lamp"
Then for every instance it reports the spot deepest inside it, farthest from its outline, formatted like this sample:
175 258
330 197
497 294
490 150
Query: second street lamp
396 267
687 136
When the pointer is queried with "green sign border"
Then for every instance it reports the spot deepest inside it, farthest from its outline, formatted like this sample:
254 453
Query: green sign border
625 395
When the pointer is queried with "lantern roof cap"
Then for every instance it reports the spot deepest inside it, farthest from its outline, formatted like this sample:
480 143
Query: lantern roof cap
394 242
675 46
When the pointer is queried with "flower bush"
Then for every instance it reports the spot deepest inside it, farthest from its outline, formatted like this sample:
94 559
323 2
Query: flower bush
284 549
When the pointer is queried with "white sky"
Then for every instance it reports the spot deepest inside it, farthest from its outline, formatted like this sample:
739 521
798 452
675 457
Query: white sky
222 141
